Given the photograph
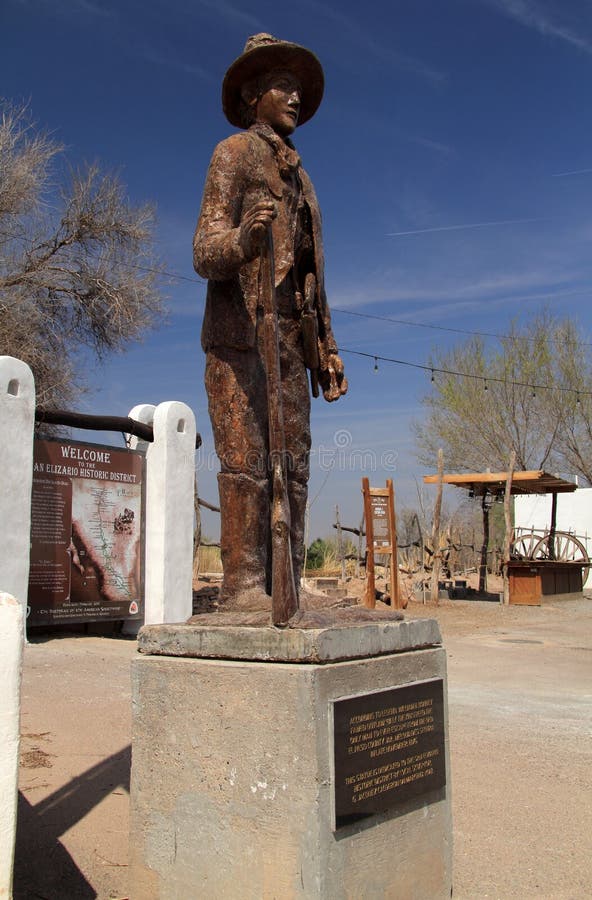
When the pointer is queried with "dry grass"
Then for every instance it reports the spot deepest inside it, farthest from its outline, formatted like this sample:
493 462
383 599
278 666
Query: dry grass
331 568
209 559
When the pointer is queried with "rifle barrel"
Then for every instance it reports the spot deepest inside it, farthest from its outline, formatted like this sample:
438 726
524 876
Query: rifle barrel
284 597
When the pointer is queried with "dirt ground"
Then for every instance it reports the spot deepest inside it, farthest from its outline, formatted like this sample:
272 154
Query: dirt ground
520 691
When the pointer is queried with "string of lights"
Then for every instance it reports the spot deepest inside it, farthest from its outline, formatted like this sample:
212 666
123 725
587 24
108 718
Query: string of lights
486 379
434 370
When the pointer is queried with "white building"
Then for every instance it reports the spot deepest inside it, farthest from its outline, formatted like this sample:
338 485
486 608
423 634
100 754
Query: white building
574 515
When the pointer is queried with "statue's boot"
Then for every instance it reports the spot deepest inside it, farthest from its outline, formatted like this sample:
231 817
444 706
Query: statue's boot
244 538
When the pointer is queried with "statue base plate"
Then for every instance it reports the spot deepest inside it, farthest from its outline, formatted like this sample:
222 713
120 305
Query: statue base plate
316 636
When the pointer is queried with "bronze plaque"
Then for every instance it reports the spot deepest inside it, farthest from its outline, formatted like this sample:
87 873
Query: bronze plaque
389 747
87 533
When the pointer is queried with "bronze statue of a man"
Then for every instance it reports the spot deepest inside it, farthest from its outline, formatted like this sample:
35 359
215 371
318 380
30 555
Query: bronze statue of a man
256 182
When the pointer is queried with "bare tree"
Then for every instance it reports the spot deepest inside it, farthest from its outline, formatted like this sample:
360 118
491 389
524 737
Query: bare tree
520 397
77 269
572 402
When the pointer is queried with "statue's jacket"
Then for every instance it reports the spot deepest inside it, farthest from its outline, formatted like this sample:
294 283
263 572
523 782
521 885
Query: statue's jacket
243 171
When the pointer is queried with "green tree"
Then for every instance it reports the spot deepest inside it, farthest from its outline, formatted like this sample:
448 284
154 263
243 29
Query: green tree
77 267
317 554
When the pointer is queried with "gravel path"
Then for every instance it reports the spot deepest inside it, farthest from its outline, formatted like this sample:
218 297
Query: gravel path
520 691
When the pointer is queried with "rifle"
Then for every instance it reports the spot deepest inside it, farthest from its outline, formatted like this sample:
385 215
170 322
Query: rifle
284 598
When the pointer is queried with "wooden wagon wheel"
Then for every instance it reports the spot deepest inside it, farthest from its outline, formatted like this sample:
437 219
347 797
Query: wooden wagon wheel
523 546
562 547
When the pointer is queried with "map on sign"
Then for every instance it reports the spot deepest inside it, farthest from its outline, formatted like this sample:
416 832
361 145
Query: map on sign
106 537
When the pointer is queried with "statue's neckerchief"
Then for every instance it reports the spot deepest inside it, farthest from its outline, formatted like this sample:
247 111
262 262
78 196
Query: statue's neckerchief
285 152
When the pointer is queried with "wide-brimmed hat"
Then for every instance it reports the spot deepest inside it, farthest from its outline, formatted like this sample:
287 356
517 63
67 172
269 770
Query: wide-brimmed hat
262 53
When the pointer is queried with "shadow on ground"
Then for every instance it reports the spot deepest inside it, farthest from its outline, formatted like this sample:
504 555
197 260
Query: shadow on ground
43 868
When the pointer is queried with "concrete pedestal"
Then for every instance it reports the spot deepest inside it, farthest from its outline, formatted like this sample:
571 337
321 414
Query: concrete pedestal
232 792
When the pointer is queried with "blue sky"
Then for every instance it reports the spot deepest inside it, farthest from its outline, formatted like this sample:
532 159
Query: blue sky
451 155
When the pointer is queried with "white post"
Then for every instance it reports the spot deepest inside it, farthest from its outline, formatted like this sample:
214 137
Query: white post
170 467
12 625
17 422
143 412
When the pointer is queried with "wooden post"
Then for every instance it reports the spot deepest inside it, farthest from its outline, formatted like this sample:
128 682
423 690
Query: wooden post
395 594
508 527
553 526
436 530
197 530
484 545
306 536
360 540
340 543
421 559
370 592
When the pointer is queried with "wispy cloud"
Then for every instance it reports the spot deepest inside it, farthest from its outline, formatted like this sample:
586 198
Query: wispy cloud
544 18
575 172
233 15
171 61
131 33
429 144
353 29
381 125
464 227
70 7
475 304
439 288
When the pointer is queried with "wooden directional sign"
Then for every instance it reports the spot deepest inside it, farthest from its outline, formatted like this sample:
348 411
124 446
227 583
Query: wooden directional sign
381 538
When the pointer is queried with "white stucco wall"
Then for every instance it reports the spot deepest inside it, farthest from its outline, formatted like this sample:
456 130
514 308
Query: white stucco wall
17 419
574 514
12 616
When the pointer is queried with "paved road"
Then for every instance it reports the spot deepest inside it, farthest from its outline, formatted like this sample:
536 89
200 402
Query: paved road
520 723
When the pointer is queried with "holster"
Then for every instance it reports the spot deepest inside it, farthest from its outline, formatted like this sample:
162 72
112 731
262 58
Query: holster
310 332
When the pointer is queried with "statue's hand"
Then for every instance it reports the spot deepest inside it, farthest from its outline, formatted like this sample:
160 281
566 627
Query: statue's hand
253 226
332 377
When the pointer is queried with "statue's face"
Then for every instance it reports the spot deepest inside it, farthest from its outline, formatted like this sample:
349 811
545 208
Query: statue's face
279 103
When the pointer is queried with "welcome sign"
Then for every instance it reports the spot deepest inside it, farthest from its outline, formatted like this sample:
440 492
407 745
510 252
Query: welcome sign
87 533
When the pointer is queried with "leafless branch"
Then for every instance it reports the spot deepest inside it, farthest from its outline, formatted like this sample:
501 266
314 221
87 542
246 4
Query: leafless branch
84 277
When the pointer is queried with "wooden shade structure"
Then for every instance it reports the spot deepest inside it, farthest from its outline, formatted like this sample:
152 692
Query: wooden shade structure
504 484
535 481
